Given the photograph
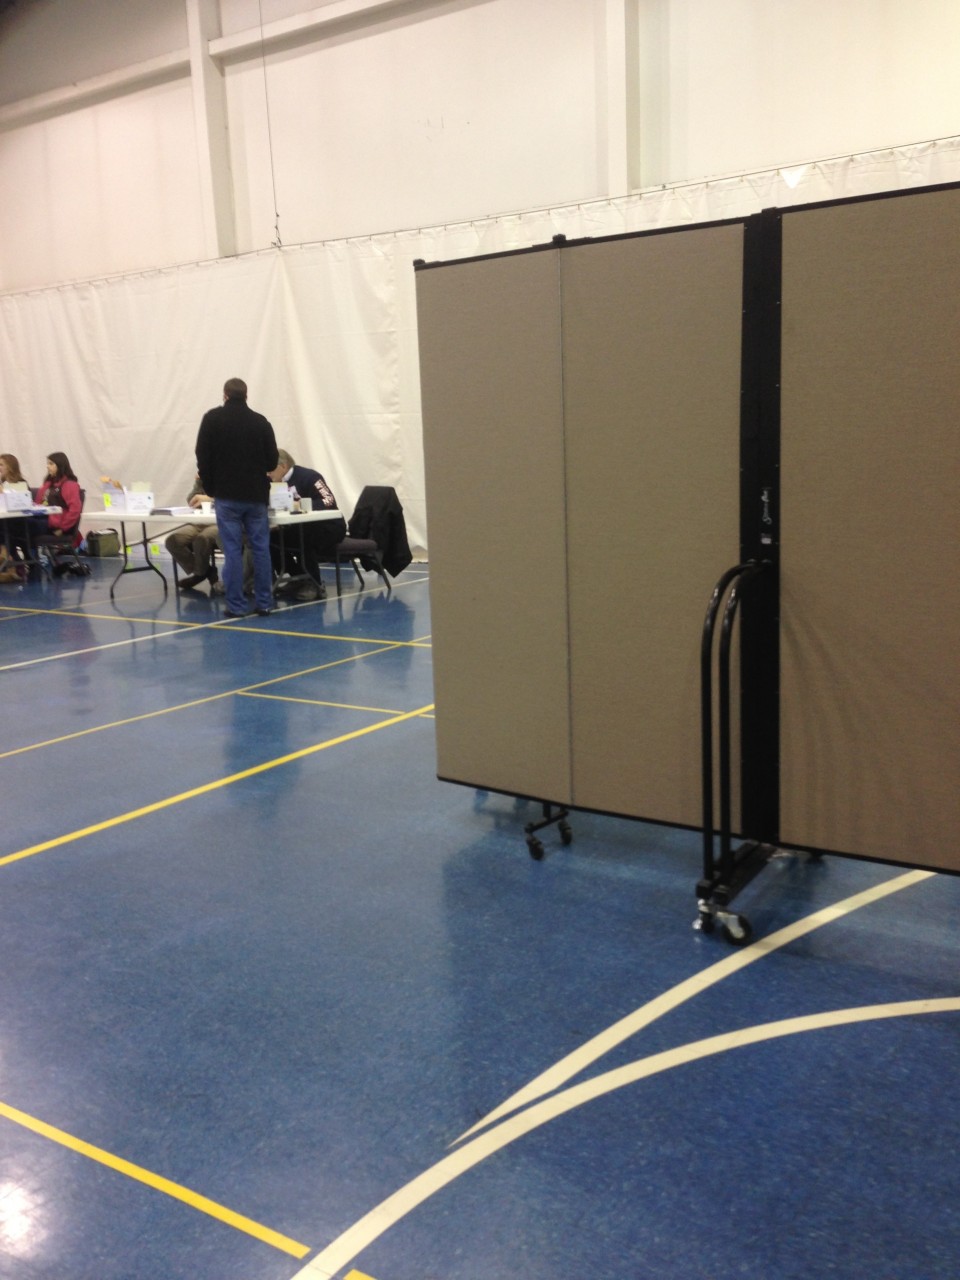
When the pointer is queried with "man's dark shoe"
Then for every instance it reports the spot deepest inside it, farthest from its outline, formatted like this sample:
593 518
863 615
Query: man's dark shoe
264 613
228 613
187 584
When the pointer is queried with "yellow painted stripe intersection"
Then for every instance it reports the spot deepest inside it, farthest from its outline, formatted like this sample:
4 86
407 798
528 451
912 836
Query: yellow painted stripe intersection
207 787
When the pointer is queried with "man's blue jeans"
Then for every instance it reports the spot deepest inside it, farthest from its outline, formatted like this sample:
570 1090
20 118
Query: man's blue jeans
234 520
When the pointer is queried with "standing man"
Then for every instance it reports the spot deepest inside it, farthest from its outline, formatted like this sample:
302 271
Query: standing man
235 449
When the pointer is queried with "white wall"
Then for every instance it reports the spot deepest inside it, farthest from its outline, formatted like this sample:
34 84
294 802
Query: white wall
753 84
432 112
437 112
360 129
458 111
111 188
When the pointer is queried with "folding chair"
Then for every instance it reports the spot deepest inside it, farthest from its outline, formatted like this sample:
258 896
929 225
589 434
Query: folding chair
354 551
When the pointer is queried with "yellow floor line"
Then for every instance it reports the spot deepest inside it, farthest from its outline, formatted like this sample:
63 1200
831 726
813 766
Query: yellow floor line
386 1214
320 702
268 630
180 628
93 648
323 635
182 624
216 785
80 612
154 1180
196 702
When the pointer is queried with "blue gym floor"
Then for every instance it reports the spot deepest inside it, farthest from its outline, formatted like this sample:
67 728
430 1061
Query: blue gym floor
277 1003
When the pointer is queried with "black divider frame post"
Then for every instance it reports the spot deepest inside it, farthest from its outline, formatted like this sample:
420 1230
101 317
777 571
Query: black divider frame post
755 594
760 528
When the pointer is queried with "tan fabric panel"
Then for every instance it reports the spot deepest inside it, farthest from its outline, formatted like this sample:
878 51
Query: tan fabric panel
651 342
490 374
871 529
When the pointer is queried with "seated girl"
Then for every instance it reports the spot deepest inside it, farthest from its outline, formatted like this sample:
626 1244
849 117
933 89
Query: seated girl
60 488
10 470
15 549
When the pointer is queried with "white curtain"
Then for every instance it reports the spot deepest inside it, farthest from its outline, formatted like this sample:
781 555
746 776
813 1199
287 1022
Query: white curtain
117 373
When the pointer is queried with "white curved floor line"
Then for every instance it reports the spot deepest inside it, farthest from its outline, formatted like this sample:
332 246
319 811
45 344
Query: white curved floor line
177 630
615 1034
368 1228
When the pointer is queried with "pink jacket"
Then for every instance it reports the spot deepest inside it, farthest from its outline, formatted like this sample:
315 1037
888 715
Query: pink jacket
70 500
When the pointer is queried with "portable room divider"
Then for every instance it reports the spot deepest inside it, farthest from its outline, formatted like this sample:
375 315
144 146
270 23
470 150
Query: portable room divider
870 610
611 425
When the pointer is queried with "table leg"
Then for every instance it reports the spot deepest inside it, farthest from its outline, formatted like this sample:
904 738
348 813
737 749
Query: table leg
147 566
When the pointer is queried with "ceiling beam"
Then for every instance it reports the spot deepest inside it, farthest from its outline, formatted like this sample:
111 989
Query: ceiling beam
84 93
300 27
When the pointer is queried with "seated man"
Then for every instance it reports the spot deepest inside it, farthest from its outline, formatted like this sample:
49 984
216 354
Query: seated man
193 545
320 537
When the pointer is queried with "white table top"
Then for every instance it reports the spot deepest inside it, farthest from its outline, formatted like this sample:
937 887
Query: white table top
197 517
33 511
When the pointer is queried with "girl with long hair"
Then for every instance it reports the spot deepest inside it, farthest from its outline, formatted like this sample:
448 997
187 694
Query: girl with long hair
60 488
10 470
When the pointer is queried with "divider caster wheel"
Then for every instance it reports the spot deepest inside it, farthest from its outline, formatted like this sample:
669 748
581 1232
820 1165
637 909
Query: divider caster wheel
536 848
705 921
736 929
566 835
